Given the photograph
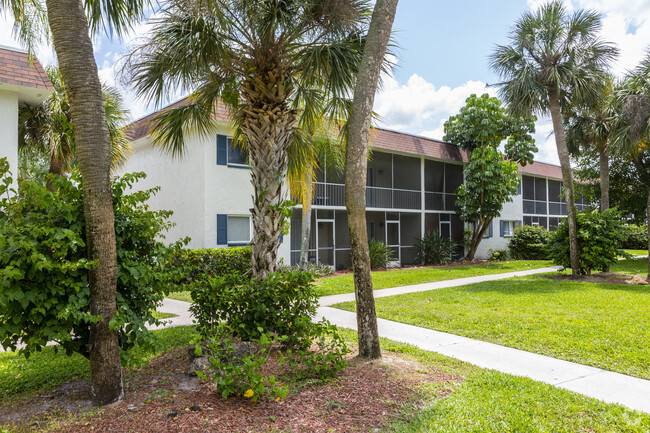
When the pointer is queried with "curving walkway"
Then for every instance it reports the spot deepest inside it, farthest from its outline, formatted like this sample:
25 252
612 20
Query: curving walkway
592 382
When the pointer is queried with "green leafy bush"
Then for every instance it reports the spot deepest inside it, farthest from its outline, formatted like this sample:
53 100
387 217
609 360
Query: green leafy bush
199 265
318 269
380 254
635 237
529 243
498 255
434 249
44 293
284 303
599 237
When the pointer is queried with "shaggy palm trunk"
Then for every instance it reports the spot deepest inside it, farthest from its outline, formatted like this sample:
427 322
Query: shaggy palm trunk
567 179
74 51
267 123
308 195
604 180
56 168
356 166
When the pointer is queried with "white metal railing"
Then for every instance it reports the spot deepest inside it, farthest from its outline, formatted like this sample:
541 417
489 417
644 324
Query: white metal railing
332 194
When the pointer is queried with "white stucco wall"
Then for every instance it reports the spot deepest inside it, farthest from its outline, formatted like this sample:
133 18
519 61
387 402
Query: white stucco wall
196 188
9 130
512 211
182 186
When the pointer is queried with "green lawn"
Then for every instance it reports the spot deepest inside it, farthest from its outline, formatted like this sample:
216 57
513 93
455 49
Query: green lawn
487 401
631 266
181 296
406 277
602 325
637 252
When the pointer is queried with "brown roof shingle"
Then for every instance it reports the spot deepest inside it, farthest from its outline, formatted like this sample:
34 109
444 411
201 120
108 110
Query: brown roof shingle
16 69
380 139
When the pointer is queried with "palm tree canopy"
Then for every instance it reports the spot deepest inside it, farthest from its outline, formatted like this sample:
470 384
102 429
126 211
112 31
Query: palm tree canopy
47 127
552 51
252 55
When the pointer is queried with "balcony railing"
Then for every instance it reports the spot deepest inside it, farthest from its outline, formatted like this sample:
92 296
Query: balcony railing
439 201
331 194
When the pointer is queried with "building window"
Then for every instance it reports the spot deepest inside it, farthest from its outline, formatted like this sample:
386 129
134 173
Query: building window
239 229
233 230
236 156
508 228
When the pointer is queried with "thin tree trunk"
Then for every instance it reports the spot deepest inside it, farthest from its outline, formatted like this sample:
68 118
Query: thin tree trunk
604 180
56 168
567 179
356 166
308 195
477 236
648 225
74 50
268 124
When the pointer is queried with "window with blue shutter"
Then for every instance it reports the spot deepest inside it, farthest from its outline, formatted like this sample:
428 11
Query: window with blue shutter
488 233
222 229
222 150
501 229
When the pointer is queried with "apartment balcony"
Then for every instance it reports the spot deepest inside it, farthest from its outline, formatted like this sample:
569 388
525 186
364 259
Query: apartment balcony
332 194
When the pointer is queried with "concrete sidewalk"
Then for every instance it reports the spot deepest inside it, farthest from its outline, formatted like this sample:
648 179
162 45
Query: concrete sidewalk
589 381
335 299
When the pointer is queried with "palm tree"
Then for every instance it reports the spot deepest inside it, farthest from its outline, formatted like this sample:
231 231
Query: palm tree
356 171
632 125
46 127
70 23
592 127
274 63
555 62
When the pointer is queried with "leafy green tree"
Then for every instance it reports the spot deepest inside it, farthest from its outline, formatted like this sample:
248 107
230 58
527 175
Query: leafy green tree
47 128
490 180
555 61
356 171
71 24
278 65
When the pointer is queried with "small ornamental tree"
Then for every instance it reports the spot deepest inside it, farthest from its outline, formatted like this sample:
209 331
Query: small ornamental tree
490 177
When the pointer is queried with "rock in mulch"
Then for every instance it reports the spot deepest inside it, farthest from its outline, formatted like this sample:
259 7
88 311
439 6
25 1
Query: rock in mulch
202 362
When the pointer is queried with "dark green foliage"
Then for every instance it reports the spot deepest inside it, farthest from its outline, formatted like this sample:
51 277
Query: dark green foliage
380 254
44 293
434 249
635 237
499 255
529 243
599 237
202 264
284 303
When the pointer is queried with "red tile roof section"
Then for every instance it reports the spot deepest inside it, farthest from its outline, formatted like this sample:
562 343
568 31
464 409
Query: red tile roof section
140 128
16 69
380 139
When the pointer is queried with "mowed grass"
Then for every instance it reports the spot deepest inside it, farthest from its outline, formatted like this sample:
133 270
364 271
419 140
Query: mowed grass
487 401
602 325
406 277
631 266
48 369
637 252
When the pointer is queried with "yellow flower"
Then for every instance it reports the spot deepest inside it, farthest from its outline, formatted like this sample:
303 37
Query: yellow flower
249 393
289 324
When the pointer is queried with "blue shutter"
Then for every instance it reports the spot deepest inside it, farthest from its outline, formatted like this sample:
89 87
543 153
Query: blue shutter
491 223
502 228
222 229
519 189
222 150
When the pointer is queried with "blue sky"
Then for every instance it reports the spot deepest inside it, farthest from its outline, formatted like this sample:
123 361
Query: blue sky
442 57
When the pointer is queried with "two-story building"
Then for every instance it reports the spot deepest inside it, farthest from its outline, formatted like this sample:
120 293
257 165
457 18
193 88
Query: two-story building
411 190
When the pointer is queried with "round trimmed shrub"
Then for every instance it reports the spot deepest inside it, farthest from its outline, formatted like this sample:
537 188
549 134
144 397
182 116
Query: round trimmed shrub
529 243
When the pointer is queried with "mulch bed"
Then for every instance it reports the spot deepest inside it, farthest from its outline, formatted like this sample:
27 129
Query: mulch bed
160 398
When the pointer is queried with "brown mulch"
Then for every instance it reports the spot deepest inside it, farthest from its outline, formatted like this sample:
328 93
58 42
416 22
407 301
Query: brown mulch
161 398
606 277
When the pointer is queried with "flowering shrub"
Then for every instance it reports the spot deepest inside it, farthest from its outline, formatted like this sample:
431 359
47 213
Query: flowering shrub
44 293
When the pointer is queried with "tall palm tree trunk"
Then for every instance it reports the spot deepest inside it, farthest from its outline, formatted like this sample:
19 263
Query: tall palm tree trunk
356 168
268 124
308 195
567 179
74 50
604 179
